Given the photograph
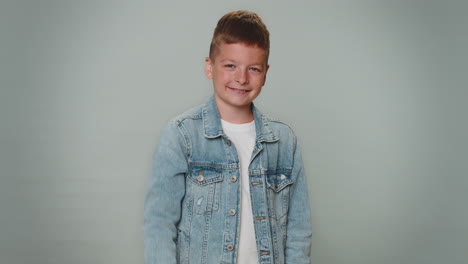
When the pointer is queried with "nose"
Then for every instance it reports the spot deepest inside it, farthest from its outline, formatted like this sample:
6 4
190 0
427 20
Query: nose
241 76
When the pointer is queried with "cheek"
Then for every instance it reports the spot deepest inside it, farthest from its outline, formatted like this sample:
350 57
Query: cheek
225 76
259 80
222 78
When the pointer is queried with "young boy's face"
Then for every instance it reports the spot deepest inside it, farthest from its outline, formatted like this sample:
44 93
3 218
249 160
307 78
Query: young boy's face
239 73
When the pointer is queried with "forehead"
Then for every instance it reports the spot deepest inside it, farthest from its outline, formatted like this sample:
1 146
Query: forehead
242 53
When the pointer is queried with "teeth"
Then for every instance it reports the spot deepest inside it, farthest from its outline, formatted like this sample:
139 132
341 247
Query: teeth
239 90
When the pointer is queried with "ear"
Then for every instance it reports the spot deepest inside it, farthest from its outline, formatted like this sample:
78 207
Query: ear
266 71
208 68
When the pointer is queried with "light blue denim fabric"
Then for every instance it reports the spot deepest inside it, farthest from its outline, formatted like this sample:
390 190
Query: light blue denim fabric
192 207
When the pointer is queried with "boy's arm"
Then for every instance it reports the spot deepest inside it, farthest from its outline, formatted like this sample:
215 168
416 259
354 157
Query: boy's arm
299 226
163 201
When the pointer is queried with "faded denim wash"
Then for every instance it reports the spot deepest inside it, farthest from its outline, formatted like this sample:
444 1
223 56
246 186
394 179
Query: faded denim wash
191 208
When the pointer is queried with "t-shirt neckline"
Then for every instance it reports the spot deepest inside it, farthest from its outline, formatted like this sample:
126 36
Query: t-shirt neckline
238 127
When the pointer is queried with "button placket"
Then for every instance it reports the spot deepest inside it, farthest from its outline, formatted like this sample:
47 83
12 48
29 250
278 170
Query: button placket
230 247
233 178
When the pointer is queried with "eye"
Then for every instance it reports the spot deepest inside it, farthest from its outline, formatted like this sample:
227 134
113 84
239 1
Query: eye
255 69
229 66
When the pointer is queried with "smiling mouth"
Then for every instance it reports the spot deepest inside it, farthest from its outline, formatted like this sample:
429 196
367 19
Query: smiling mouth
239 91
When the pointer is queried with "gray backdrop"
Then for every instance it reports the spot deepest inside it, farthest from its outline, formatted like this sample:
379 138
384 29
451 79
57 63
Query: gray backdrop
376 91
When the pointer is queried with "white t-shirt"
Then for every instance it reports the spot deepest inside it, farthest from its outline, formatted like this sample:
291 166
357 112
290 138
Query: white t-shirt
243 137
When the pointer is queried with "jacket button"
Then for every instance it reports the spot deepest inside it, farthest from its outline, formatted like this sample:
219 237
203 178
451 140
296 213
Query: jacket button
228 142
200 178
230 247
232 212
233 178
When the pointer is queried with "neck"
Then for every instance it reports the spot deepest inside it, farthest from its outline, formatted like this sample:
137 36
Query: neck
235 115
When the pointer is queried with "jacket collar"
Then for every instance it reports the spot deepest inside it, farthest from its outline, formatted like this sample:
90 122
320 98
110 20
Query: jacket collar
213 128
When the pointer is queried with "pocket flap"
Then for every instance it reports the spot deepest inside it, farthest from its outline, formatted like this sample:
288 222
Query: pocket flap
278 182
204 176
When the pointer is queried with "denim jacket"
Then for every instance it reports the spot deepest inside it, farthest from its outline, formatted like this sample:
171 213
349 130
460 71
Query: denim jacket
191 208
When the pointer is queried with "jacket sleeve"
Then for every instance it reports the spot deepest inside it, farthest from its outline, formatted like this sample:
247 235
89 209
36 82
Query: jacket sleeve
162 208
299 226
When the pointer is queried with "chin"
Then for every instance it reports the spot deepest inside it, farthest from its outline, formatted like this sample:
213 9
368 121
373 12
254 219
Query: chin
240 103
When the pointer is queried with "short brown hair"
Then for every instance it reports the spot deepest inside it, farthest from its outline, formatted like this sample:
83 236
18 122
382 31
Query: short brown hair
240 26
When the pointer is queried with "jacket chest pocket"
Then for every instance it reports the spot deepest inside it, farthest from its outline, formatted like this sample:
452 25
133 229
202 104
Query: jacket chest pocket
205 184
278 194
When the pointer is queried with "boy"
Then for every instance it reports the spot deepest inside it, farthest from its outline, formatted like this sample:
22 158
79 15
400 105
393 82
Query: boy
227 184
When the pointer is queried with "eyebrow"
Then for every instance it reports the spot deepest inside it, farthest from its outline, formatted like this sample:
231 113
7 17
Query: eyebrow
228 60
234 61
